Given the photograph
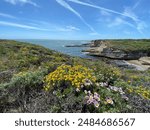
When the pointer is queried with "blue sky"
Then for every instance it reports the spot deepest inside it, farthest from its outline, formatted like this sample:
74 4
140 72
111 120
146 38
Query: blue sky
74 19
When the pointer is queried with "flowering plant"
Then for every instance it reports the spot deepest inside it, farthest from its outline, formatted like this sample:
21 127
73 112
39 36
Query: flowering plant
92 98
76 75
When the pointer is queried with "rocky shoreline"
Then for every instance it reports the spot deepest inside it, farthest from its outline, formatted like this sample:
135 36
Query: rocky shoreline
131 59
103 49
83 45
132 64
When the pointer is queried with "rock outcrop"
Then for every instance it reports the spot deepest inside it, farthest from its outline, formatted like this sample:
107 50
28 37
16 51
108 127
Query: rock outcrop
102 49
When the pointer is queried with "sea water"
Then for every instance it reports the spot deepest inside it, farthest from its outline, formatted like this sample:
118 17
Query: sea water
60 46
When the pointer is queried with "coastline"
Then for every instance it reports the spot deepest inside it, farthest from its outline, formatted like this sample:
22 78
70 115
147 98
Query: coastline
138 60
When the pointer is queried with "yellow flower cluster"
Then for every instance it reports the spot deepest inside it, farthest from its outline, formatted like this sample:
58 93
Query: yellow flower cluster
140 91
76 75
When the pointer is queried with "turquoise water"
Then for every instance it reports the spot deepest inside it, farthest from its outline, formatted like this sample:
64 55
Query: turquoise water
59 45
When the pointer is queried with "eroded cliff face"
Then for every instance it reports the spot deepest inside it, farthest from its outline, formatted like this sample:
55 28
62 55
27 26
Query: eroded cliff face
101 48
119 54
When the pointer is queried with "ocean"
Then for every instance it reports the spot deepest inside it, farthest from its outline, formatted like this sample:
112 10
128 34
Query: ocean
59 45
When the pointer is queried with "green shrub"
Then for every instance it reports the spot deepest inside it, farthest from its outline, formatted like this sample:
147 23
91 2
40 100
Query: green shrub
21 88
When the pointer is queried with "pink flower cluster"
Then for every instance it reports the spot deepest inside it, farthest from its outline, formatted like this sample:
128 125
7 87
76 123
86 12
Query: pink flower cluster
92 98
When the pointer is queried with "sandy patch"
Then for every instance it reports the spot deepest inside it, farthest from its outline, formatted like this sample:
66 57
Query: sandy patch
143 63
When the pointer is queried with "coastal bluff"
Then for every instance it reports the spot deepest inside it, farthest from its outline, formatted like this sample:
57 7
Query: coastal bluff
119 49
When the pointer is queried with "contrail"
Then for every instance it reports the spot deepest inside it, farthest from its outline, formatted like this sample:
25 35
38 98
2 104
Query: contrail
4 23
67 6
135 19
7 15
14 2
101 8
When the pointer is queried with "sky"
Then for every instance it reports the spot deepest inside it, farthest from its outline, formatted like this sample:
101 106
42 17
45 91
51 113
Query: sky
74 19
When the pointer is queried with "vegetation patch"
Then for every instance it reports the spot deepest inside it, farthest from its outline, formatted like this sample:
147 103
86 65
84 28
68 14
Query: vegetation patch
36 79
131 45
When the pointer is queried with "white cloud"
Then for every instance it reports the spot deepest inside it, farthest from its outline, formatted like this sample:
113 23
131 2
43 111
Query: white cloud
73 28
94 34
14 2
67 6
140 25
7 15
136 4
37 24
118 21
105 13
127 32
128 12
11 24
69 28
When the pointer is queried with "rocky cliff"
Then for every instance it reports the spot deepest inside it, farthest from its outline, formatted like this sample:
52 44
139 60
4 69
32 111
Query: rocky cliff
110 49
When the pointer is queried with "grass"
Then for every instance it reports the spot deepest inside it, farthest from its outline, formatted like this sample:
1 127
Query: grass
25 70
131 45
19 56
